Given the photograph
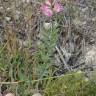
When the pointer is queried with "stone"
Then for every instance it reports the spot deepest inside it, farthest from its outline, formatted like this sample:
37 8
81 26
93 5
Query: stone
37 94
9 94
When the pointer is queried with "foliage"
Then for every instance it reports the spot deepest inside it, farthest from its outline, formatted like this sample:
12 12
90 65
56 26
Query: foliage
46 48
26 61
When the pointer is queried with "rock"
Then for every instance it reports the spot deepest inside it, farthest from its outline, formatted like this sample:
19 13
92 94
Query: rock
90 57
9 94
7 18
47 25
37 94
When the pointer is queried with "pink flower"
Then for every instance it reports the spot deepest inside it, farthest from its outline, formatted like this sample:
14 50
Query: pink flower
47 9
57 7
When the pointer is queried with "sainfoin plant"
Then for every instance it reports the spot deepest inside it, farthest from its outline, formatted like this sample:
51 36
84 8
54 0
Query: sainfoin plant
49 36
49 7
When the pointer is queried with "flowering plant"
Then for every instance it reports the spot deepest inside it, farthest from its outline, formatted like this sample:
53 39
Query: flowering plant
51 6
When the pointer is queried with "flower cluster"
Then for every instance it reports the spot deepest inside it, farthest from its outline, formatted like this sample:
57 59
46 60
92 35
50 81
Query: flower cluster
49 7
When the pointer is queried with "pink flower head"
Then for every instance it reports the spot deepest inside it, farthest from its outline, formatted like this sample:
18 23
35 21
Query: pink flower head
48 10
57 7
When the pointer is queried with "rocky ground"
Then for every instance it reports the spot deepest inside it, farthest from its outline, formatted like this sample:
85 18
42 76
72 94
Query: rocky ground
75 49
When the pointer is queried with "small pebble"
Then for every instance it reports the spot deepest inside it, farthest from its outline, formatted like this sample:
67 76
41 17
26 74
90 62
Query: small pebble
47 25
10 94
37 94
7 18
90 56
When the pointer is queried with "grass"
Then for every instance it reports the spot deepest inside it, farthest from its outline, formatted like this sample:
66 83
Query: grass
74 84
24 77
24 71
